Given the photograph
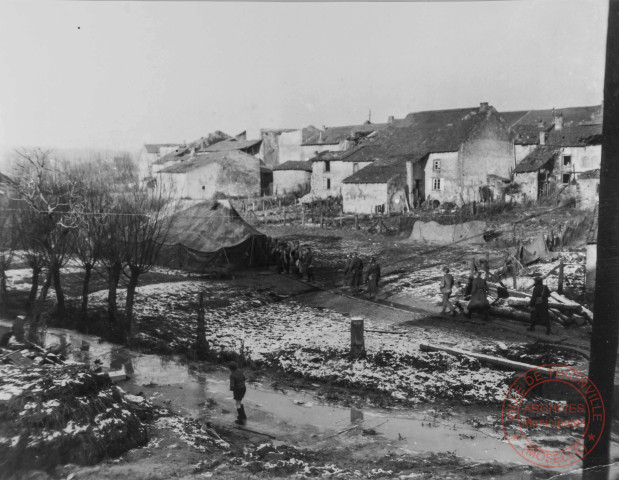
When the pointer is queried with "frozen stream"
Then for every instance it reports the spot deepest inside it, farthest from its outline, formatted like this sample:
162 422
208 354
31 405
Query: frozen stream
290 416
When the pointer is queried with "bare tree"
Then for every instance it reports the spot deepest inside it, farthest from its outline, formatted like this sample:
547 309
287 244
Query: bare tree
51 195
146 221
8 237
87 238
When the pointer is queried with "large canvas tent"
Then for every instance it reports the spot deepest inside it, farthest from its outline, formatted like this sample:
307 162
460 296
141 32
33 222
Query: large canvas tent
209 234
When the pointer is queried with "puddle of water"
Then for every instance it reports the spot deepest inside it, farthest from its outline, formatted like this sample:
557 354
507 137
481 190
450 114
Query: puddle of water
288 415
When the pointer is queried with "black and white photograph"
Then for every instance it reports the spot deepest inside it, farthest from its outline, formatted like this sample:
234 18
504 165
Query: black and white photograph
348 240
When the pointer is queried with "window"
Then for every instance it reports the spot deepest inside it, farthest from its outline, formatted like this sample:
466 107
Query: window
567 160
203 187
436 165
436 184
328 183
566 177
327 166
355 167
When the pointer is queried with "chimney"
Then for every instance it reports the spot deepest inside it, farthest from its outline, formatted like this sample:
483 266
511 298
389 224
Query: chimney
320 136
483 107
390 119
542 138
558 121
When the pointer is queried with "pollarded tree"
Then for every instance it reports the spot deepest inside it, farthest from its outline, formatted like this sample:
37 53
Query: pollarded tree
146 221
88 238
51 195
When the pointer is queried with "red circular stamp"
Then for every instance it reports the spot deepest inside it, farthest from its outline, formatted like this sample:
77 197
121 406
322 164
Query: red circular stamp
553 416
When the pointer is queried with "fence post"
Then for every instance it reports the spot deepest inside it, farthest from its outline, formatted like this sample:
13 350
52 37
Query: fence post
560 286
321 219
357 341
303 215
356 222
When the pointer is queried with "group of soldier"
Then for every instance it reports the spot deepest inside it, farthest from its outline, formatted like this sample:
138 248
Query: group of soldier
476 291
354 277
290 258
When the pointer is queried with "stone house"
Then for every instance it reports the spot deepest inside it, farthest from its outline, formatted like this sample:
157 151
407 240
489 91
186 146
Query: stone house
329 168
150 154
209 175
448 155
269 148
566 162
379 187
292 177
304 144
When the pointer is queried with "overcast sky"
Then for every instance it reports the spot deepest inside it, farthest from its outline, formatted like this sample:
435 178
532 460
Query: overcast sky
116 74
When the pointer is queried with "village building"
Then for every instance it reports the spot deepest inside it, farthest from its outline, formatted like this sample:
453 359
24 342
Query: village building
292 177
212 175
269 148
566 161
379 187
330 168
150 154
445 156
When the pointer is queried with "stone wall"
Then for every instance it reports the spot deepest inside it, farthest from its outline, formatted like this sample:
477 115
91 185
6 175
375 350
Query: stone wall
338 171
363 197
290 181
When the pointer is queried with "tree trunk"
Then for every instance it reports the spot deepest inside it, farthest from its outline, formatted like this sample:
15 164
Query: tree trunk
36 272
35 322
133 283
605 328
113 279
58 287
85 290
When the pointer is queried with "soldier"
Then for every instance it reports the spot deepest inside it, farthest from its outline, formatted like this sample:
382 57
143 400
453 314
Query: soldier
447 284
479 300
373 278
539 303
356 273
308 262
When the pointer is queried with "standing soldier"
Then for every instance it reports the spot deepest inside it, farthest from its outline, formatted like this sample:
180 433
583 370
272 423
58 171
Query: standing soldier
479 300
373 278
347 270
356 273
308 262
539 303
447 284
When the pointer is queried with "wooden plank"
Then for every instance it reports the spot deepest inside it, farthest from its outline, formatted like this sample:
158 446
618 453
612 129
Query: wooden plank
561 299
500 362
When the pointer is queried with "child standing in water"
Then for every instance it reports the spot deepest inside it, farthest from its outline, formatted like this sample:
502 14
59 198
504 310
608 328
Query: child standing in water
237 385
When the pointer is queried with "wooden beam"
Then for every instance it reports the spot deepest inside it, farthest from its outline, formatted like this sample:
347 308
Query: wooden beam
500 362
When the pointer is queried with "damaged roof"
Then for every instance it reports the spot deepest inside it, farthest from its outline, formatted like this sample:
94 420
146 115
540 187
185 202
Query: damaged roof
232 144
537 159
576 136
203 159
334 135
328 156
294 165
154 147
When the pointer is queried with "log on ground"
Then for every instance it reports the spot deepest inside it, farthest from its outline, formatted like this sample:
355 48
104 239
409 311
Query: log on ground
488 359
